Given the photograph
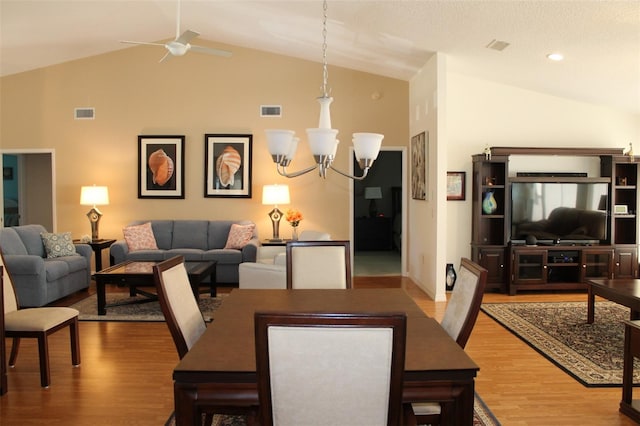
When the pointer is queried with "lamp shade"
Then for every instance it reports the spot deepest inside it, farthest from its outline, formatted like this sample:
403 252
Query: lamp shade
275 194
94 196
373 193
367 145
279 141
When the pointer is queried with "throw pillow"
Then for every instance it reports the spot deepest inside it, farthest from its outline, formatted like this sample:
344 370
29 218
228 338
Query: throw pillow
140 237
239 236
58 245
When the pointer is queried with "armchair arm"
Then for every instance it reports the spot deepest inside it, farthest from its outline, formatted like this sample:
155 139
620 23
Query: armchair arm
250 251
84 250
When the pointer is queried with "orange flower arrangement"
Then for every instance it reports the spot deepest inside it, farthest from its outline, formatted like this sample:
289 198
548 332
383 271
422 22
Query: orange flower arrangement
294 217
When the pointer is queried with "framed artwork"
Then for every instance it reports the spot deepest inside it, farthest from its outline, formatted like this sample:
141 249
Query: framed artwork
160 166
455 185
227 165
419 167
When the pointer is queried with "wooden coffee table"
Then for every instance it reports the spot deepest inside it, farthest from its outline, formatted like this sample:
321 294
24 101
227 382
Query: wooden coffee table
624 291
135 274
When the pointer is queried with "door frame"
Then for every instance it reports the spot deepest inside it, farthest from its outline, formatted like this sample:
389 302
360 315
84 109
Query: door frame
21 151
403 249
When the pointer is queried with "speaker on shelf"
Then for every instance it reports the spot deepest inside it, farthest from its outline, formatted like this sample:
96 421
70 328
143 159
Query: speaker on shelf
531 240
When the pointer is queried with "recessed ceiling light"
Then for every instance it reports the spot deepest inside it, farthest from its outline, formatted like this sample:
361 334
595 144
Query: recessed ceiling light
555 56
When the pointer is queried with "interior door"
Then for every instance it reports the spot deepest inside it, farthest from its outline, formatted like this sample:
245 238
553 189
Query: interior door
28 188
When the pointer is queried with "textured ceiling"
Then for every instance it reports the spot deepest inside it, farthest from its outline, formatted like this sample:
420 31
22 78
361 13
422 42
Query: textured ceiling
600 39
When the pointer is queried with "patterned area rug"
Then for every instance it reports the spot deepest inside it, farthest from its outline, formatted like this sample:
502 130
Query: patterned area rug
136 312
591 353
482 416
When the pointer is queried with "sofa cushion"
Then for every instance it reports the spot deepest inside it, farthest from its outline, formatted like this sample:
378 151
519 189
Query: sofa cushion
190 234
56 269
140 237
58 245
147 255
223 256
11 243
189 254
30 235
239 236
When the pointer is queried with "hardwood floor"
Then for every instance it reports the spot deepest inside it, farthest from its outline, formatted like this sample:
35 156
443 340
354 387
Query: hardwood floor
125 376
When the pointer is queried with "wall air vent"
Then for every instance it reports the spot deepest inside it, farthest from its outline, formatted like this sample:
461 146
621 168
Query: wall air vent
270 111
84 113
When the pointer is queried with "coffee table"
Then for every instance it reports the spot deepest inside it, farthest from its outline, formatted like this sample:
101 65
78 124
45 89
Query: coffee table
134 274
624 291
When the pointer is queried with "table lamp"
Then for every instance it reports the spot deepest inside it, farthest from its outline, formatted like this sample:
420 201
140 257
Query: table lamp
373 193
94 196
275 194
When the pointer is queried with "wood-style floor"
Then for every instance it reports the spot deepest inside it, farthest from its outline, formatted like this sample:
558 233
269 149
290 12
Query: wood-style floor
125 376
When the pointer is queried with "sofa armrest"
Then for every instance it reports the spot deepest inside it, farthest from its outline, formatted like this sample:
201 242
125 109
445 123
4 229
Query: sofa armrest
24 264
84 250
250 251
119 251
261 276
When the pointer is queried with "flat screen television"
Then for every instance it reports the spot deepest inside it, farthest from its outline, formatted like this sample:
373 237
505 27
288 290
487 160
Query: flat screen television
571 211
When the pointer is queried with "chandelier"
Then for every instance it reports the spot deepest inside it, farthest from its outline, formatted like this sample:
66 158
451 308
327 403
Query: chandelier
323 143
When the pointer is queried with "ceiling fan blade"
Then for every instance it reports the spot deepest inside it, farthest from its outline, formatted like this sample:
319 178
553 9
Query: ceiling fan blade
166 55
141 42
211 51
187 36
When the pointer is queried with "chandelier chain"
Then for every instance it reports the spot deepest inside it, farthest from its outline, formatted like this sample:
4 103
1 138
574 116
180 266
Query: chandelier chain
325 72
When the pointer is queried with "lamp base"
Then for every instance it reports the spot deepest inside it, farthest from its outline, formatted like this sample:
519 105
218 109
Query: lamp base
275 215
94 216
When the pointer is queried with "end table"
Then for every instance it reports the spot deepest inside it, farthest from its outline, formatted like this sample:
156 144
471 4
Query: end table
97 246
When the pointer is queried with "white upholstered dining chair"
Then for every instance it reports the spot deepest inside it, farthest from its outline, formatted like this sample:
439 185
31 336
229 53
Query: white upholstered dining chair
36 323
458 321
331 368
318 264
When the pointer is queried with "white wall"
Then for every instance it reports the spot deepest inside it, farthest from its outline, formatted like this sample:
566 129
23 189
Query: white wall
427 218
481 113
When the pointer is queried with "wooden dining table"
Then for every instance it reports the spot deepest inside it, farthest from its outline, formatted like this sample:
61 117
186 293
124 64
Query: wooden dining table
220 369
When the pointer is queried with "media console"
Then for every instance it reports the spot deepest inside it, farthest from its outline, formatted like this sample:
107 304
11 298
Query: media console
554 263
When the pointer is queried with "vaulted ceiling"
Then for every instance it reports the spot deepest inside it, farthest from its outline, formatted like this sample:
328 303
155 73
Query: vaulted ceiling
600 40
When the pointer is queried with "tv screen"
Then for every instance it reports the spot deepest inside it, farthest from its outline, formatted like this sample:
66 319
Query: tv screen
564 211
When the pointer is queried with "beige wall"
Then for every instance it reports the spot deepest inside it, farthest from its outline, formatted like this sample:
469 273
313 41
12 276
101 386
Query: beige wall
191 96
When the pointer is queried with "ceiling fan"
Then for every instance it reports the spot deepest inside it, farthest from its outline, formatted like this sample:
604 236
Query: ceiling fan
181 45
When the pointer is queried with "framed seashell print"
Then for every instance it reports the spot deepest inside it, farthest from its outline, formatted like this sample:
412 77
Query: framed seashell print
161 166
227 163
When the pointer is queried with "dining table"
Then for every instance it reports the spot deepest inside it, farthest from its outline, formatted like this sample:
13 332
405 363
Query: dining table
220 368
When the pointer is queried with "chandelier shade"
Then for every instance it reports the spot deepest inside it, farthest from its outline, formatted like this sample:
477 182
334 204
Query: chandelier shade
323 142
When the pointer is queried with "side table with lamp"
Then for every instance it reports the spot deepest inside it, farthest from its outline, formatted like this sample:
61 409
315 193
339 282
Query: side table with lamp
95 196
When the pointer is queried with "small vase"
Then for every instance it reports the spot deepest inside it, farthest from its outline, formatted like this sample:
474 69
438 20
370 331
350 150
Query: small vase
450 277
489 204
294 234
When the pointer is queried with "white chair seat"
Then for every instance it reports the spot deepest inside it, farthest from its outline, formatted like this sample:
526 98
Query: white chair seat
37 319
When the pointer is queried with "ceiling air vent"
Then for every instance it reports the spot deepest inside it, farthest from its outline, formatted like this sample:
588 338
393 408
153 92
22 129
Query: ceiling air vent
497 45
84 113
270 111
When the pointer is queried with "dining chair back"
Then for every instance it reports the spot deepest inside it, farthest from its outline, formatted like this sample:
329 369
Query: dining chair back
459 318
318 264
36 323
3 351
178 304
464 303
330 368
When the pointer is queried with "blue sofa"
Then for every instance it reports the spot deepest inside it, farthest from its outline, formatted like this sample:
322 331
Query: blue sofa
195 240
37 279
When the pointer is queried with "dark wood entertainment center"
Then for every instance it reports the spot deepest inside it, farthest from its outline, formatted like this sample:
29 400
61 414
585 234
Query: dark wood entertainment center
514 265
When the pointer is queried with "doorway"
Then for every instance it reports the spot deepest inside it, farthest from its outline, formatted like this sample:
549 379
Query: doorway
379 216
28 188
